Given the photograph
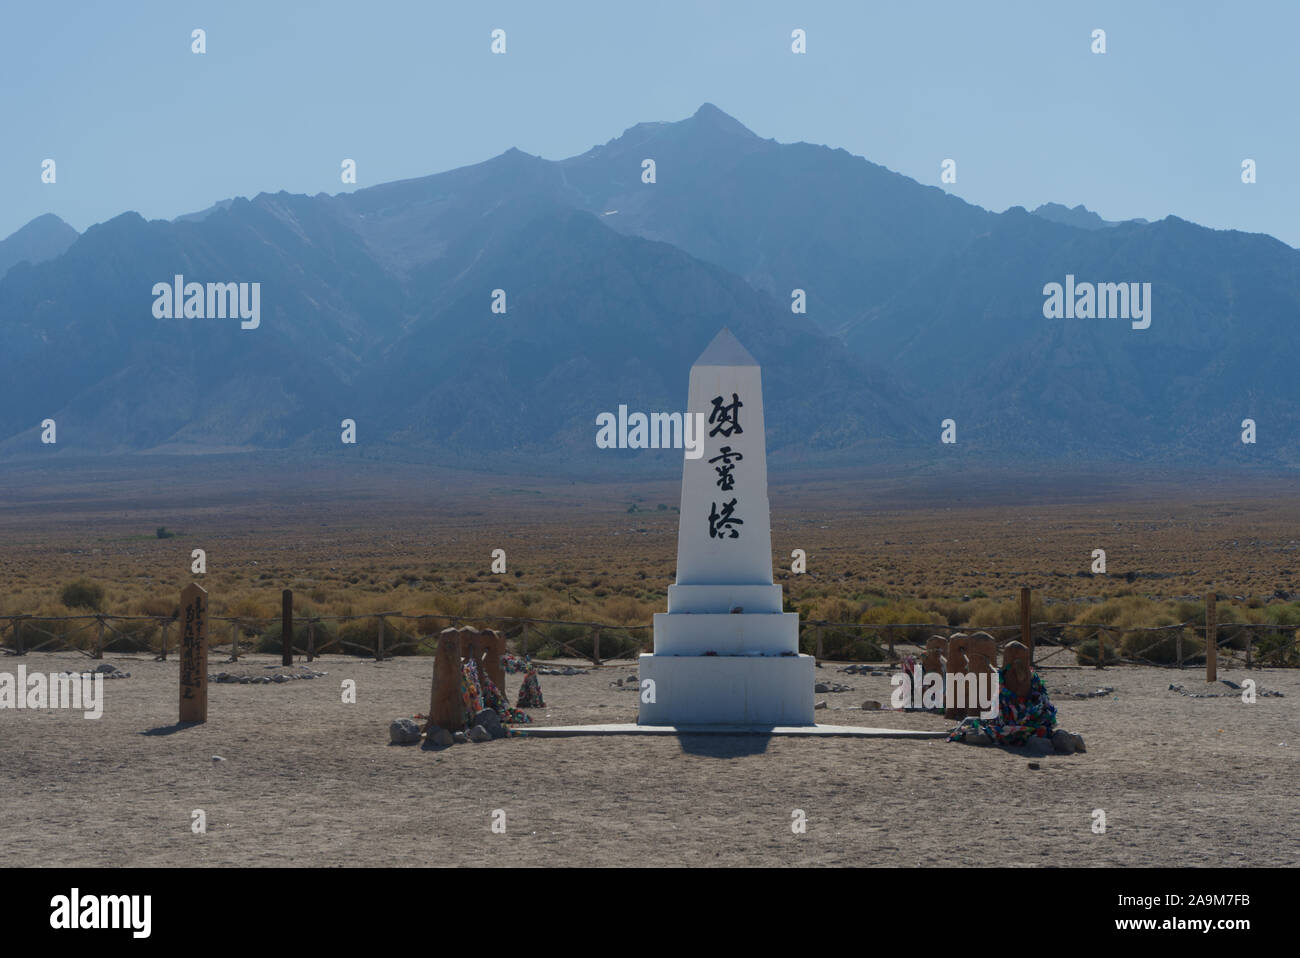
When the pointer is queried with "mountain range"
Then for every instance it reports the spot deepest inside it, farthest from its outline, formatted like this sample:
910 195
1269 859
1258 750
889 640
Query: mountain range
376 305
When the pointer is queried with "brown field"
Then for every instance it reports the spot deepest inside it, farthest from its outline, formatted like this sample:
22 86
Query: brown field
369 538
308 780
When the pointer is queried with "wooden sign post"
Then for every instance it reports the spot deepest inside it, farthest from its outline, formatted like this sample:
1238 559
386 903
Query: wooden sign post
982 659
1017 671
1211 639
446 708
194 654
286 627
957 665
932 661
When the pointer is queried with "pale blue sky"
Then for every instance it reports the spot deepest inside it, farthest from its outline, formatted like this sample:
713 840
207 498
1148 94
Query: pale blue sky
1157 125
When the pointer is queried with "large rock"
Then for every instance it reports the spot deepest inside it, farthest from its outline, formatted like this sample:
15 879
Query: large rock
490 719
403 731
1063 742
1040 745
438 738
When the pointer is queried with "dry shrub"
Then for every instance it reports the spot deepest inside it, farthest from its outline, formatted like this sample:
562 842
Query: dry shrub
156 605
992 613
920 622
251 607
83 594
625 610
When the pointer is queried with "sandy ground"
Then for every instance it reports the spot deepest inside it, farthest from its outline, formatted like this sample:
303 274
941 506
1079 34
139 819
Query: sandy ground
308 780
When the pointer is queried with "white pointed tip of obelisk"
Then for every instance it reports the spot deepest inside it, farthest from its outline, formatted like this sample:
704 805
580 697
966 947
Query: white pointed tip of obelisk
725 350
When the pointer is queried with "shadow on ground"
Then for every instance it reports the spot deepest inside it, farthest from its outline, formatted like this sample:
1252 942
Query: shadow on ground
722 745
171 729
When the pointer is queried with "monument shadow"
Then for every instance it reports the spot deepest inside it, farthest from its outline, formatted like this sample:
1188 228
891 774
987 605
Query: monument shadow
724 744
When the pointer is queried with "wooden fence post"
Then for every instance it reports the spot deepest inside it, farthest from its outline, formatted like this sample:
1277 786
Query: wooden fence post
286 627
1178 647
1250 641
17 621
379 641
311 639
595 648
162 656
1211 639
99 641
1026 630
820 650
1101 647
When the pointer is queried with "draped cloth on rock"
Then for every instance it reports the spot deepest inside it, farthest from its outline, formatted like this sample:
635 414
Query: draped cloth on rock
1018 720
479 692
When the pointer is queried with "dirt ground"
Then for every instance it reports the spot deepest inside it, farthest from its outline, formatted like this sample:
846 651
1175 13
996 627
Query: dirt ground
308 780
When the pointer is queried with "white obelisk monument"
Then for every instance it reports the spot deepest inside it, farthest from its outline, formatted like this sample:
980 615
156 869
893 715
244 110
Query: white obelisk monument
725 653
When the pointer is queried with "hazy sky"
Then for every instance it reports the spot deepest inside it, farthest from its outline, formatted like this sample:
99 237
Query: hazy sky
1159 124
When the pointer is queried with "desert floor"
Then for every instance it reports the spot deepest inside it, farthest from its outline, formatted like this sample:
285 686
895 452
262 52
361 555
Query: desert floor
308 780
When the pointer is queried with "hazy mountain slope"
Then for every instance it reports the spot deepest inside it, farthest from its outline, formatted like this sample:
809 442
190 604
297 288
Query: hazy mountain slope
596 319
783 216
42 239
1225 309
79 342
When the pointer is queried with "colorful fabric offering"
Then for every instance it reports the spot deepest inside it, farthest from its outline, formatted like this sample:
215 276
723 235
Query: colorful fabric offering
1018 720
479 692
515 664
530 693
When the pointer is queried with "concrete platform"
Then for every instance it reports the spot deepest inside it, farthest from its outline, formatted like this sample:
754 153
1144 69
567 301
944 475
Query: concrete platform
739 691
824 731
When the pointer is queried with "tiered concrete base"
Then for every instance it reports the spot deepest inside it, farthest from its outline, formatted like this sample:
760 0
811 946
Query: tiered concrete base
694 690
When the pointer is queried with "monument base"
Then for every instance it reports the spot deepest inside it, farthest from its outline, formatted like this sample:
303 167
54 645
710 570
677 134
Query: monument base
727 690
